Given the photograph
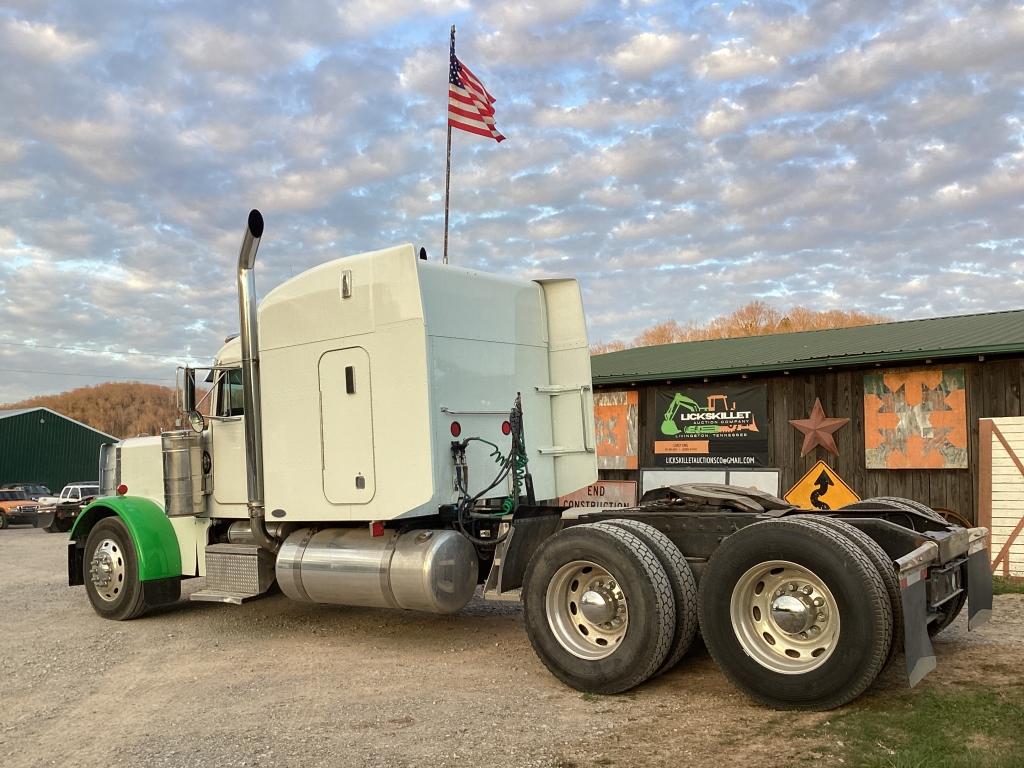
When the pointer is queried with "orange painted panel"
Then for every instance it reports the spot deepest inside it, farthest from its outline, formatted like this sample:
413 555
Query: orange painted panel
915 419
615 417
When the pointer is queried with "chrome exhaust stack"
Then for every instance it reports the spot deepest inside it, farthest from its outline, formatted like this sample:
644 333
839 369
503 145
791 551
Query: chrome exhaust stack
250 342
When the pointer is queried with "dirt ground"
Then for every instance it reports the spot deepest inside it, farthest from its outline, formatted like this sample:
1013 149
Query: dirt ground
279 683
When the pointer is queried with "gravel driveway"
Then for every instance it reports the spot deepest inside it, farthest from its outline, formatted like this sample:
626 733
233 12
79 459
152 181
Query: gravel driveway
278 683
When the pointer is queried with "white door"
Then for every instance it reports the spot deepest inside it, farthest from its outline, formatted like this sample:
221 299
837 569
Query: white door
346 426
227 435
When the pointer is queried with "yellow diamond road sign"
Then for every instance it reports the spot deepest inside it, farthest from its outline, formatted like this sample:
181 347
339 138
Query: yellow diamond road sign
821 488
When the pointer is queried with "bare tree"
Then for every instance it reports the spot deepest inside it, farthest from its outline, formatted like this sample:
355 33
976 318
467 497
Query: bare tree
754 319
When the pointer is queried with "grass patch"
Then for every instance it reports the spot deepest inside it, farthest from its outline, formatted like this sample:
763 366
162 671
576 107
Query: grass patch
966 728
1001 586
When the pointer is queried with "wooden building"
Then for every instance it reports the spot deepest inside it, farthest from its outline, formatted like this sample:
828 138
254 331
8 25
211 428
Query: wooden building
913 393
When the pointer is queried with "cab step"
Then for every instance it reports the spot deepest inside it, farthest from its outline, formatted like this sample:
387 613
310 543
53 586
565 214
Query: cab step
235 573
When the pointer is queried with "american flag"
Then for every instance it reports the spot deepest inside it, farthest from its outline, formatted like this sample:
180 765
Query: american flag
469 103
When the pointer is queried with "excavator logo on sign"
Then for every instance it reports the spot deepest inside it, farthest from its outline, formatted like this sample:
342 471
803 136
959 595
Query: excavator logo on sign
686 416
821 488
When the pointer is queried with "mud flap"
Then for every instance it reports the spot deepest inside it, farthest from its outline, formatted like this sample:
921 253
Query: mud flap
979 589
513 554
917 646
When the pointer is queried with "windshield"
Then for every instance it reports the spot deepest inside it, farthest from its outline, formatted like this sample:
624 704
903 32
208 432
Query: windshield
13 496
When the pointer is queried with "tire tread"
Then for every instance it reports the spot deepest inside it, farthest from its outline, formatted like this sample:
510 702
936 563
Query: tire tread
883 564
662 587
684 586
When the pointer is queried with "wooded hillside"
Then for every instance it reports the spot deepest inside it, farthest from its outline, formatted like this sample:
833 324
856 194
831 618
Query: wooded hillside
754 319
121 409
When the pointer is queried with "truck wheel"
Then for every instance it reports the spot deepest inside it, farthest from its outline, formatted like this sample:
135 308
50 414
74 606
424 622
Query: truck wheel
112 572
795 614
598 608
949 611
954 518
883 564
684 586
54 526
3 521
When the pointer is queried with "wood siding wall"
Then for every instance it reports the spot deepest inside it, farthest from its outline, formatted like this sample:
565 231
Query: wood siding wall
1001 494
993 390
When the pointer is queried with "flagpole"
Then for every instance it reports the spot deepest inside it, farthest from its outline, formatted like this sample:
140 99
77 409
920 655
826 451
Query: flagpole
448 167
447 185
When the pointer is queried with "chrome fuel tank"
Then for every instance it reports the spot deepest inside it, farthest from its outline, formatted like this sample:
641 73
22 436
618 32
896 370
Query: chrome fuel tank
183 473
428 570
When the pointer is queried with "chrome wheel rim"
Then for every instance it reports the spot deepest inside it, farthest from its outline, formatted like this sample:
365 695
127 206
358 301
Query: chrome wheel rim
784 617
586 610
107 570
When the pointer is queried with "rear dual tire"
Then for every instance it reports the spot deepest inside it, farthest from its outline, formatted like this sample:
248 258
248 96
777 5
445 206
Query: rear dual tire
684 587
795 614
599 608
883 564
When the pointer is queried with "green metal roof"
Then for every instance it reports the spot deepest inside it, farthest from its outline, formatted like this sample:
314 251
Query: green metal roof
991 333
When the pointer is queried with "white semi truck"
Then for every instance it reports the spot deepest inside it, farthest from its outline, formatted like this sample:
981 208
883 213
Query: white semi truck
391 432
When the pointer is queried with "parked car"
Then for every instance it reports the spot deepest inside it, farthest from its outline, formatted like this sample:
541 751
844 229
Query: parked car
34 490
73 492
59 515
16 508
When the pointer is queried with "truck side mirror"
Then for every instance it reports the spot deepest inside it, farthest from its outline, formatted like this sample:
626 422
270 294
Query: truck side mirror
189 396
196 421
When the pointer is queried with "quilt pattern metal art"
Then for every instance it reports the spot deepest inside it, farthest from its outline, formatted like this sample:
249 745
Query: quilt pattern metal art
915 419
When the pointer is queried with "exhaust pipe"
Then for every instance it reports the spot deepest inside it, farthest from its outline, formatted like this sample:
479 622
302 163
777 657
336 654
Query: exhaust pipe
251 383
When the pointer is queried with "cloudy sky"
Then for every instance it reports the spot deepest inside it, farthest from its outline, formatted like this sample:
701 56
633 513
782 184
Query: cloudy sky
681 159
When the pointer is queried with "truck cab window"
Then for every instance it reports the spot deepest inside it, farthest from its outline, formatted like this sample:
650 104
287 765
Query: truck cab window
230 398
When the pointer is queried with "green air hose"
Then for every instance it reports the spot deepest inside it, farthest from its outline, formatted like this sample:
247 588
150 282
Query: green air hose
513 466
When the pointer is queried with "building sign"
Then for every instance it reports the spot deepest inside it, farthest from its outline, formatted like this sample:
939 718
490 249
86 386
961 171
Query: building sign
711 427
915 419
821 488
604 493
615 428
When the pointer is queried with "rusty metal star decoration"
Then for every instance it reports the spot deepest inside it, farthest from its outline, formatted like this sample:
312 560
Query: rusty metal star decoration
817 430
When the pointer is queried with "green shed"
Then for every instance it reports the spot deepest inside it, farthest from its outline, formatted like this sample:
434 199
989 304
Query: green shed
38 445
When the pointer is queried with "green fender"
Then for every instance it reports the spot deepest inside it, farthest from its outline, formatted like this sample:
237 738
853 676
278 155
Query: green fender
155 543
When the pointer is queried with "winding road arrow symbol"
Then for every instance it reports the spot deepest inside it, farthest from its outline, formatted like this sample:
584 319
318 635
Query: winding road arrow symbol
823 482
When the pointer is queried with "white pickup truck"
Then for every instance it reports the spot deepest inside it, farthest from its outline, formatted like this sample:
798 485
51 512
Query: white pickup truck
72 492
57 513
